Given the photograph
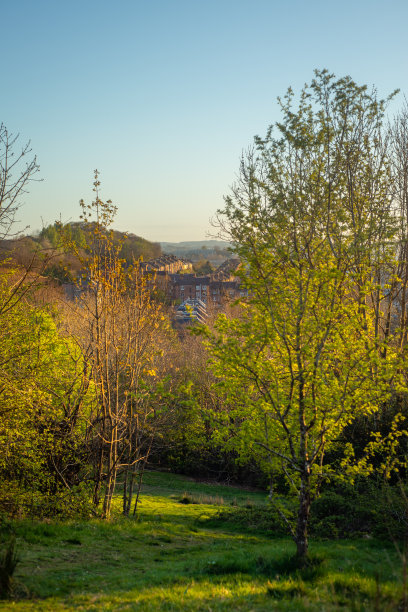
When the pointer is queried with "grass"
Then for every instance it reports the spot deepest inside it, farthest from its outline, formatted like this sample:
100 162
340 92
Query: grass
174 556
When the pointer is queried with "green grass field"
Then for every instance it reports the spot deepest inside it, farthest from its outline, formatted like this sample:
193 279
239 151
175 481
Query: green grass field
173 557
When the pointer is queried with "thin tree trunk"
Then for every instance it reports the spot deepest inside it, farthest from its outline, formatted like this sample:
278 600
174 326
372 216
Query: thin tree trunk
126 483
98 476
301 536
139 485
128 490
112 471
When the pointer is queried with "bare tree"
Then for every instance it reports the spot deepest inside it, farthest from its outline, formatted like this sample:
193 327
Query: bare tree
119 331
17 171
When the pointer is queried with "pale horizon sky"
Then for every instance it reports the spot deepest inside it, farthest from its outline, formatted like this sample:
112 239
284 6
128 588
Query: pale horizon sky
163 96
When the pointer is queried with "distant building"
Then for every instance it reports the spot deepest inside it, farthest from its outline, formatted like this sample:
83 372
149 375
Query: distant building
226 271
188 286
171 276
166 263
215 288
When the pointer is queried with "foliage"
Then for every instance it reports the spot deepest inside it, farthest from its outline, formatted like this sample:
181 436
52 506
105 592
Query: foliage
312 220
43 405
8 564
203 267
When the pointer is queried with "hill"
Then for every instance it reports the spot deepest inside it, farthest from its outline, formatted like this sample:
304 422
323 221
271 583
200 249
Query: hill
46 246
214 251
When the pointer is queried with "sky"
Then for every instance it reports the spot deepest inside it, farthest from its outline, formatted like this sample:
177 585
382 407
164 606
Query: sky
163 96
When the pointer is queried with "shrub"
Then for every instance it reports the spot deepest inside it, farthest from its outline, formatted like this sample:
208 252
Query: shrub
369 507
254 519
211 500
344 511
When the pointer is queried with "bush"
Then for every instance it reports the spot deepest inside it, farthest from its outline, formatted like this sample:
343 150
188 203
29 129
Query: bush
368 507
233 563
341 513
252 519
17 502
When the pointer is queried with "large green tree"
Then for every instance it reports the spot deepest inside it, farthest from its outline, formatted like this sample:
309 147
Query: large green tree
311 216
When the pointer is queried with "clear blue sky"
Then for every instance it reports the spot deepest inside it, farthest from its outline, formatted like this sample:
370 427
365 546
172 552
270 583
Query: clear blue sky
162 96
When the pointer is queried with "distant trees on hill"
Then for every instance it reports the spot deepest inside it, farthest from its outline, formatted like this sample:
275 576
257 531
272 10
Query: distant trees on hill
133 247
196 251
203 267
61 265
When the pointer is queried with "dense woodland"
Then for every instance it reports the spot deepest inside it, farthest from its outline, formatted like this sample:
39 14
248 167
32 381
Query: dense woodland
299 389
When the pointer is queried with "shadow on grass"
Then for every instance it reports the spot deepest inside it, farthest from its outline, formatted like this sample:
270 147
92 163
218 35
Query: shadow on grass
172 485
238 592
309 570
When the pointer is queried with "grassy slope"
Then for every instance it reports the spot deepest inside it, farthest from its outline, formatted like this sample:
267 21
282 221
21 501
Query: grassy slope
168 559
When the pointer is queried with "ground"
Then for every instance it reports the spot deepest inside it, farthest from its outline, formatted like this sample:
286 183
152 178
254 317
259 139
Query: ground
173 557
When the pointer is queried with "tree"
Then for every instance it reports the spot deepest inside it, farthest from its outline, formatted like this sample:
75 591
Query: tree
203 267
42 422
17 171
45 401
118 332
399 144
311 217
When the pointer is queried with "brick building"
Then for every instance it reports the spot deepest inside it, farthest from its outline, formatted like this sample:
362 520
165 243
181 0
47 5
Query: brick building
215 288
166 263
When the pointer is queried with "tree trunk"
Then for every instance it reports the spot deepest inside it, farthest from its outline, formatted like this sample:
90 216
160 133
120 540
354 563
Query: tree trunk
111 472
98 476
301 536
139 485
128 490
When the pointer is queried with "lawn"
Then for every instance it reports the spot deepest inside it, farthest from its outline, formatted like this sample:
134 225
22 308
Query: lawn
176 556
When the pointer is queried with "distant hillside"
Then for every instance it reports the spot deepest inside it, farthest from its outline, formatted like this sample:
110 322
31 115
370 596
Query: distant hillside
214 251
194 244
63 266
133 246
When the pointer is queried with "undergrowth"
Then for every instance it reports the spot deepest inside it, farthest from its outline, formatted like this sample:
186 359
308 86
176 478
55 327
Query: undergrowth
8 564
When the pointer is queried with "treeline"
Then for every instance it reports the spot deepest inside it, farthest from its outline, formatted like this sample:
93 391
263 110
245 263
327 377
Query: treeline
131 247
215 253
